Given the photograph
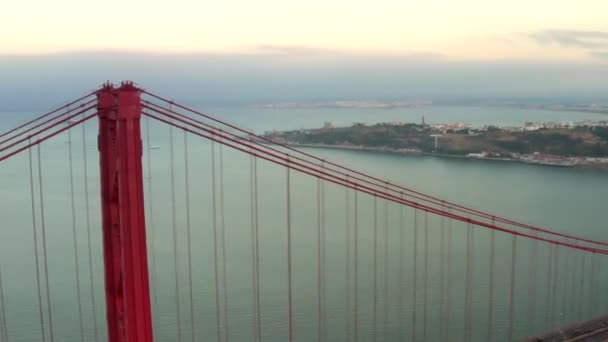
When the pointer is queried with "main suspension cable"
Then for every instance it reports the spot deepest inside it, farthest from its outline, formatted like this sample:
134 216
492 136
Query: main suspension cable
286 162
24 134
46 114
46 137
43 130
374 180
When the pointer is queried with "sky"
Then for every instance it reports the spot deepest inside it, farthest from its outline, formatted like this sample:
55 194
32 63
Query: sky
291 49
469 29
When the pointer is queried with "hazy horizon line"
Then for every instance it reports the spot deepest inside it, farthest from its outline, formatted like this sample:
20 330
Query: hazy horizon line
298 52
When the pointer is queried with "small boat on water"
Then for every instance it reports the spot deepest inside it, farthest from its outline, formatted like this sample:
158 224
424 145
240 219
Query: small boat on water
154 147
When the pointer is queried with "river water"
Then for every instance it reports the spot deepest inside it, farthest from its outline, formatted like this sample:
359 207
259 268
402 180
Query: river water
569 200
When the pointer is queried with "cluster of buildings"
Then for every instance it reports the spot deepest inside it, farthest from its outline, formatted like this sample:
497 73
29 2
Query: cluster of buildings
527 127
535 126
455 126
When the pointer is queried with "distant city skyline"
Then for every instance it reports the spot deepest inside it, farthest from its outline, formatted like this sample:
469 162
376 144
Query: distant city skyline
457 30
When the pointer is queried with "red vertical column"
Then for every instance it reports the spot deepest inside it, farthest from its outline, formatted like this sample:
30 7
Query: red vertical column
124 232
106 109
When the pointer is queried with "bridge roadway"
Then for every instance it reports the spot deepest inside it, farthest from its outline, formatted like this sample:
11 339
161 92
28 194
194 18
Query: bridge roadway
591 331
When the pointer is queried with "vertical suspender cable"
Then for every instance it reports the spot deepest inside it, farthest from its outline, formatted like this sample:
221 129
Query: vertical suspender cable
512 287
223 245
375 271
386 270
492 265
425 277
189 233
601 270
36 258
415 271
289 266
553 307
581 288
3 324
448 308
74 235
532 287
400 284
215 248
255 259
257 248
471 284
596 280
319 276
467 288
563 296
174 226
605 282
150 226
442 280
356 267
347 307
323 262
253 254
548 287
88 227
592 278
575 300
571 304
44 247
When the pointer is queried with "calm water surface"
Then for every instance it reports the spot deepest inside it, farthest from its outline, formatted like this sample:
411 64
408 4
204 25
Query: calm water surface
569 200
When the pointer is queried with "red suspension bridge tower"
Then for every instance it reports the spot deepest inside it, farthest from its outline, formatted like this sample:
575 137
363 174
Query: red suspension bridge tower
124 229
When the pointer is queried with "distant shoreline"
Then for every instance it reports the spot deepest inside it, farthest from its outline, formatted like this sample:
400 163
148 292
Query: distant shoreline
405 152
425 103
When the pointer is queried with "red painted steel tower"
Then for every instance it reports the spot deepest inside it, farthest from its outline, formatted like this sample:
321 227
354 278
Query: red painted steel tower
122 202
